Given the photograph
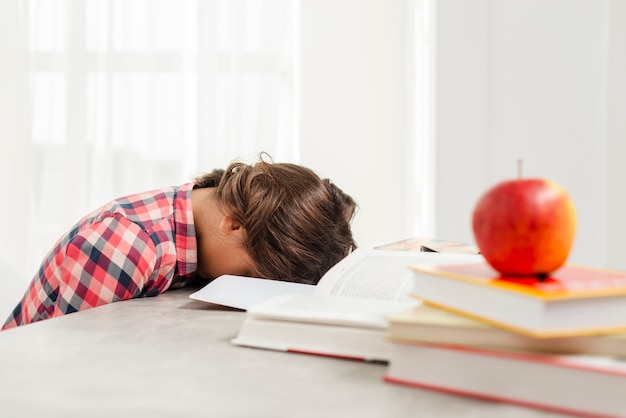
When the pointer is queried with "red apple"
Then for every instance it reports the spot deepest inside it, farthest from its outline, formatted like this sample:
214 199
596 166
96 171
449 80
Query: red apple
525 227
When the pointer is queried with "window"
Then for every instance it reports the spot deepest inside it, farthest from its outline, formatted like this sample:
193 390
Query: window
109 97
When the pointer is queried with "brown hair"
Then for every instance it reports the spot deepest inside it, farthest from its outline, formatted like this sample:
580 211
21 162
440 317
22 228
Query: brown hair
297 224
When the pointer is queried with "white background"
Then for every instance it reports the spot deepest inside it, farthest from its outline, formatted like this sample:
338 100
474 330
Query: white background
541 80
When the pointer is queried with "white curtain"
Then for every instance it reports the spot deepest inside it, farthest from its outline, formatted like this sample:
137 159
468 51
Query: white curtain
99 98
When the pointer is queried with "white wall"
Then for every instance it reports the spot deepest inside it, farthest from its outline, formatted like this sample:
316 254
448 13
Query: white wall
615 219
538 79
354 126
541 80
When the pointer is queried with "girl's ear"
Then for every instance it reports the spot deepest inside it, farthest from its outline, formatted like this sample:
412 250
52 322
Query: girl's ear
229 226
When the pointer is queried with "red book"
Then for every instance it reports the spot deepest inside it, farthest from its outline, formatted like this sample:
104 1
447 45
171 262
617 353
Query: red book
586 386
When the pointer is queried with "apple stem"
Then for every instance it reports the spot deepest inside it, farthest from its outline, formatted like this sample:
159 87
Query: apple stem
520 165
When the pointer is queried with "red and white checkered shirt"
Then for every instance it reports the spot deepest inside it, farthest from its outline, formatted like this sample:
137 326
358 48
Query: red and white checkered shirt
138 245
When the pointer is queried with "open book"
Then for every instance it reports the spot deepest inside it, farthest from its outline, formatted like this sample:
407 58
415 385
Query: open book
365 273
345 315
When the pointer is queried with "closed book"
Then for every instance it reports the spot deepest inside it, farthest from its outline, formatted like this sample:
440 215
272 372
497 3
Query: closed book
342 327
574 300
586 386
424 323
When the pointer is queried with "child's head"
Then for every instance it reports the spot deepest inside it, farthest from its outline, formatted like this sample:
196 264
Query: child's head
297 224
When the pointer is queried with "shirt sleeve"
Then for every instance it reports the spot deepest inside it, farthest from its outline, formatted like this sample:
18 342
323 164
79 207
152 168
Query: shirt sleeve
107 261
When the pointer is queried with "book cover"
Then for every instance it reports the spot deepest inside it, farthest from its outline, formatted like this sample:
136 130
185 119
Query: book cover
568 282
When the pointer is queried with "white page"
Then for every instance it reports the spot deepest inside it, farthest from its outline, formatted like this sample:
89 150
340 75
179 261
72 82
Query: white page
365 273
242 292
382 274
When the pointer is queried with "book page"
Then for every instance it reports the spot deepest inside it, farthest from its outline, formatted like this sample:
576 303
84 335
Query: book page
381 274
241 292
365 273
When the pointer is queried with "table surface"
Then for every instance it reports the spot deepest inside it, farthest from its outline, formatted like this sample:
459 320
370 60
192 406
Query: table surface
170 356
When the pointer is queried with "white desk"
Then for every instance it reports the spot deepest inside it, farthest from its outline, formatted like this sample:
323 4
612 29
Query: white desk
169 356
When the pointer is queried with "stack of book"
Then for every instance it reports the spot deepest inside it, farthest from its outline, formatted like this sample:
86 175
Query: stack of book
441 319
557 344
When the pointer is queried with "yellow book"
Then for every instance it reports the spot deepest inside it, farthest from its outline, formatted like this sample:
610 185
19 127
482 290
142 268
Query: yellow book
575 300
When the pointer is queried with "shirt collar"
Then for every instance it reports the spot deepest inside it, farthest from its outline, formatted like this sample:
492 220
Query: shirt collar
185 232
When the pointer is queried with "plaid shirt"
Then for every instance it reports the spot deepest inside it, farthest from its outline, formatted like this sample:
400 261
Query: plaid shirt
135 246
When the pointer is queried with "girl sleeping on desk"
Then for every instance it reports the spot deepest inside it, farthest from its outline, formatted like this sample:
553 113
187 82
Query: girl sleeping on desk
268 220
